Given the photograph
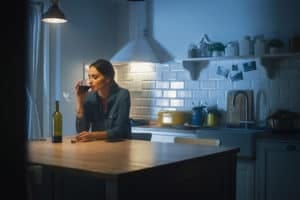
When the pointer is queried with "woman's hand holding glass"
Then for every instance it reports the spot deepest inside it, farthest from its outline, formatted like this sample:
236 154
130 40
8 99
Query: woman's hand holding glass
81 89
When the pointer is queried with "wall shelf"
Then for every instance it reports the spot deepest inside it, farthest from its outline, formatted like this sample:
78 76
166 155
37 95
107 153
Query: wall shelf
195 65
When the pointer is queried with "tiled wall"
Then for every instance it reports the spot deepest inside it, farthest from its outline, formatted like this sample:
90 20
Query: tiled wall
156 87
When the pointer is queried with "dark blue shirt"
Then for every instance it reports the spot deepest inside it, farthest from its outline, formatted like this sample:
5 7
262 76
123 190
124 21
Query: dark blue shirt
115 121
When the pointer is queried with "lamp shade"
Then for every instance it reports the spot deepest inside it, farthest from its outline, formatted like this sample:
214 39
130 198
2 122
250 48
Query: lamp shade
54 15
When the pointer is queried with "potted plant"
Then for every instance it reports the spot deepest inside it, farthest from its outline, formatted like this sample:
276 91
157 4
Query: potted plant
275 45
217 48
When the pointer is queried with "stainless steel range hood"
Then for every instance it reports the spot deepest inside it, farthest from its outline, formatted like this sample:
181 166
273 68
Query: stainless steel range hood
142 47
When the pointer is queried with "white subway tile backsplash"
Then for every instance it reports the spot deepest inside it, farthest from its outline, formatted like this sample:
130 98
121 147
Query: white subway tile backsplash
200 94
156 93
177 68
162 102
251 75
137 93
224 84
147 102
217 94
294 85
192 85
122 69
277 84
125 84
141 110
204 74
177 85
258 84
190 103
162 84
124 76
284 96
294 102
146 76
289 73
135 85
169 93
181 76
242 85
208 84
212 71
169 87
148 85
150 93
162 68
184 94
168 75
176 102
221 104
142 67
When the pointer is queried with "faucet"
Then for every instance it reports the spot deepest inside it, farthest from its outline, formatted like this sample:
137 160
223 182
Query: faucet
239 92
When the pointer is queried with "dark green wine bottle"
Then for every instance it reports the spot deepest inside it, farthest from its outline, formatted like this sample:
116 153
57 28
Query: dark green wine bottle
57 124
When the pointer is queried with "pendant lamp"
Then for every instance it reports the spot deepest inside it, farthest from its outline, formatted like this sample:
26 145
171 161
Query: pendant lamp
54 14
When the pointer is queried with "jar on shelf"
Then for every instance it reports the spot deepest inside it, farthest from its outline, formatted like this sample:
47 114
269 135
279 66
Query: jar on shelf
231 49
192 50
244 46
259 47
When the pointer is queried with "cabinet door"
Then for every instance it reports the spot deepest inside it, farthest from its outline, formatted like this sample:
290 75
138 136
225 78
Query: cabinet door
245 180
278 170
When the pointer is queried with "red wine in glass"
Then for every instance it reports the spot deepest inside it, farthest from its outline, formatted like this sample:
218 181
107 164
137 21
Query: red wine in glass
84 86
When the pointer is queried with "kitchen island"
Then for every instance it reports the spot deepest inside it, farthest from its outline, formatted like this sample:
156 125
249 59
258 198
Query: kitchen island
134 169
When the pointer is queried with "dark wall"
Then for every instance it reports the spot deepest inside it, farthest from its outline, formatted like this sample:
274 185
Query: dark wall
13 112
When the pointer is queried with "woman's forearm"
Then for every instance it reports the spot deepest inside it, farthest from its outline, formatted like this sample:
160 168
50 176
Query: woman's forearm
100 135
79 110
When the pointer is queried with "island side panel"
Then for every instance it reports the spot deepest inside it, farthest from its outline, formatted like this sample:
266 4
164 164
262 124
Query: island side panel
212 177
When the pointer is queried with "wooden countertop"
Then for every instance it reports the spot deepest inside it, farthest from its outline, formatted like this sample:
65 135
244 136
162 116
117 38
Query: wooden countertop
109 159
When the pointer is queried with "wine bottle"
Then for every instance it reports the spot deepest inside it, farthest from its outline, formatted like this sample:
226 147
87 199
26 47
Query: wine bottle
57 124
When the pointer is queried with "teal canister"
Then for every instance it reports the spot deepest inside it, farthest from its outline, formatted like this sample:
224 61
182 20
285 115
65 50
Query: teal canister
198 115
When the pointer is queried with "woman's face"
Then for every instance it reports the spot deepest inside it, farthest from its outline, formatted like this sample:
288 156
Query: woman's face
96 80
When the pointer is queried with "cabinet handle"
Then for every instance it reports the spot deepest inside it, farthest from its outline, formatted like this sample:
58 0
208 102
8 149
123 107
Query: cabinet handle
291 148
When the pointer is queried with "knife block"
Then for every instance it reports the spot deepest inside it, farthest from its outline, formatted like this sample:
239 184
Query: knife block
237 113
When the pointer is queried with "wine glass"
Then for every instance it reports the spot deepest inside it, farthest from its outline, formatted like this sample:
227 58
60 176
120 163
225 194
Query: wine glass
84 86
69 94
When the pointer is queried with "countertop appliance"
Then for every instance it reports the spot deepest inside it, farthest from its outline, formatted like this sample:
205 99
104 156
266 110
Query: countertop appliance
173 118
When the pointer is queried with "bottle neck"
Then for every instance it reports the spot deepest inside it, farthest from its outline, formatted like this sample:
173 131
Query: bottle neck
57 106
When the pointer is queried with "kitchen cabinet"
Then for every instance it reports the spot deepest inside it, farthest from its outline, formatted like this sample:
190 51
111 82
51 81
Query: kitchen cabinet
195 65
244 139
277 169
245 179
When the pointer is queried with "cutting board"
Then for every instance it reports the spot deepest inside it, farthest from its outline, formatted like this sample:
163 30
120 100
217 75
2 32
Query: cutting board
237 113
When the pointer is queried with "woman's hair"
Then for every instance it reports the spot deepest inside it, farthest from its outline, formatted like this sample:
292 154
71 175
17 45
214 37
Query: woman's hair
104 67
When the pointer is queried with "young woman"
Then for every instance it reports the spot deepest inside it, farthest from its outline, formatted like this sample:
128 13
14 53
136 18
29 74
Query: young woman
102 112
